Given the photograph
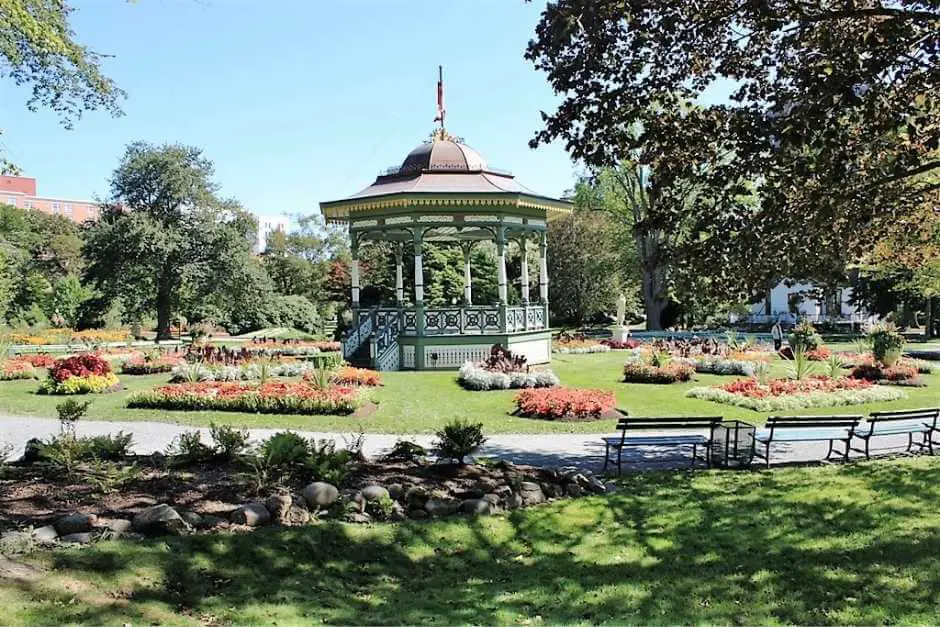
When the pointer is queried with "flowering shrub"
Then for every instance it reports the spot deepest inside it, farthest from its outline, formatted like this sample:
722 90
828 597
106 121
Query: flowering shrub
617 345
13 369
80 374
267 398
560 402
820 353
901 373
356 376
781 394
474 377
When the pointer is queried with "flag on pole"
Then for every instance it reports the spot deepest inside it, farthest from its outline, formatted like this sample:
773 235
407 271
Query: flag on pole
440 96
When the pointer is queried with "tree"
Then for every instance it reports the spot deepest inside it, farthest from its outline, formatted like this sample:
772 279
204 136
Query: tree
38 49
585 261
833 116
165 240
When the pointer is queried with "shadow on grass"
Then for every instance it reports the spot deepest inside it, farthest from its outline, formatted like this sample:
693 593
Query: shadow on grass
853 544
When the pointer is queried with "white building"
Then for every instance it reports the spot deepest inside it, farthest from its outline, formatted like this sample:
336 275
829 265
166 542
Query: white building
266 226
804 300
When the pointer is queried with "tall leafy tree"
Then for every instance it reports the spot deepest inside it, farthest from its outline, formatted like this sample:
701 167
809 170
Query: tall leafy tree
833 114
165 237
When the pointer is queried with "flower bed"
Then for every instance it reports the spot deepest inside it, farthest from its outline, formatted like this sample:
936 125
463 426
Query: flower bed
212 355
820 353
67 336
192 372
143 364
15 369
560 403
617 345
475 377
37 360
356 376
268 398
639 371
580 349
80 374
722 366
785 394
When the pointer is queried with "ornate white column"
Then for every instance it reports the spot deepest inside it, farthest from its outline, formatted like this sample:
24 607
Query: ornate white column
399 281
419 273
501 265
467 287
543 268
354 274
524 271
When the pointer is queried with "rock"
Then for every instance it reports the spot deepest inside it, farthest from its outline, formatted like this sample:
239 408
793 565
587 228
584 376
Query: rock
33 451
251 514
515 501
418 514
397 513
157 459
503 492
552 490
160 520
493 499
83 537
573 490
118 527
395 490
582 480
529 486
416 497
477 507
531 493
358 517
470 495
75 523
374 493
321 495
597 486
278 505
439 507
192 518
45 534
565 473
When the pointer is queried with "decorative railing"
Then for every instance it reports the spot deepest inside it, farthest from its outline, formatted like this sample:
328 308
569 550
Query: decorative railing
461 321
388 327
358 336
525 318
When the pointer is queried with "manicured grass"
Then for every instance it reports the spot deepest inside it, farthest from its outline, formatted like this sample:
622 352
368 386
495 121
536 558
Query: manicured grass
420 402
855 544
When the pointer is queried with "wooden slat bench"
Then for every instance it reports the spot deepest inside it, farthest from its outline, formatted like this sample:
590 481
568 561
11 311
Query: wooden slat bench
671 423
806 429
909 422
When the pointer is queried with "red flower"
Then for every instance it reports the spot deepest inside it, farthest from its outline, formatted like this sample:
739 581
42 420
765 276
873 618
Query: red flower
558 402
79 366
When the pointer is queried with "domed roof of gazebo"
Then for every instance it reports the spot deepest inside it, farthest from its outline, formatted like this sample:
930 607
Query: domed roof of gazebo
442 171
442 155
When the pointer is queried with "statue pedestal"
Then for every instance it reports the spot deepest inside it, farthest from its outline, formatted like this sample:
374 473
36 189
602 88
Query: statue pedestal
620 333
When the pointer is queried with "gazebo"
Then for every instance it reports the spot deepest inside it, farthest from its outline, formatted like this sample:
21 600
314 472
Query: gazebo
445 192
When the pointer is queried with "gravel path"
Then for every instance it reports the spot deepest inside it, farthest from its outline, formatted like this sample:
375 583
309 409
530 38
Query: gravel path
580 449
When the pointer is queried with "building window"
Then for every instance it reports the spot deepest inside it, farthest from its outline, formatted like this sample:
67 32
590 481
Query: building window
11 200
67 209
55 208
27 204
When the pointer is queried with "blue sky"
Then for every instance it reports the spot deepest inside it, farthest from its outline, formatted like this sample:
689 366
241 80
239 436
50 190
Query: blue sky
296 101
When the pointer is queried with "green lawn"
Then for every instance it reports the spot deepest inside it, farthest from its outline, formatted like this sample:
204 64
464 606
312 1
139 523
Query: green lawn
420 402
854 544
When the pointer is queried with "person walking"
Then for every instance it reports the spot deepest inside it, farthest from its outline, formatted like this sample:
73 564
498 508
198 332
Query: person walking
776 332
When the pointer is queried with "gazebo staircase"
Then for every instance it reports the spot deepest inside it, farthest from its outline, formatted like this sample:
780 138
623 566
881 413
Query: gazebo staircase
373 343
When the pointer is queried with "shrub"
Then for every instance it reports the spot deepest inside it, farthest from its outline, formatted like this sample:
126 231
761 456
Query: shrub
406 451
473 377
268 398
287 456
638 371
458 439
558 403
356 376
71 411
804 337
92 384
503 360
886 343
107 447
879 372
189 447
80 374
228 441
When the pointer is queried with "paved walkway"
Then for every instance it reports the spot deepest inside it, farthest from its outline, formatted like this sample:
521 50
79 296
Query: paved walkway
579 449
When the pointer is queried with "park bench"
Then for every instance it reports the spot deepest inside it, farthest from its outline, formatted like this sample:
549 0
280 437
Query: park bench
806 429
909 422
680 423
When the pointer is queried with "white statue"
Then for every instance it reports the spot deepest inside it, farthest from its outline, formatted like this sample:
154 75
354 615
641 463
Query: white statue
621 309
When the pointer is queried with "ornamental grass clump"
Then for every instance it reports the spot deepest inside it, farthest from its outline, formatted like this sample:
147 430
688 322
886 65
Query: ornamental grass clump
887 343
80 374
564 403
458 440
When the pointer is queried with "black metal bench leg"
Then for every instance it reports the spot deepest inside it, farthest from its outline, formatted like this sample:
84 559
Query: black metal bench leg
845 456
867 442
910 442
606 456
620 461
767 453
928 435
829 452
694 455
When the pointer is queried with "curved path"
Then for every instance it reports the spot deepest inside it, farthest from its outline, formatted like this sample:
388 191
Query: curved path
557 449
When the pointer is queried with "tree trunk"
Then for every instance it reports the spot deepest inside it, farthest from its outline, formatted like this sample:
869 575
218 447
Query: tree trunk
654 282
929 319
164 310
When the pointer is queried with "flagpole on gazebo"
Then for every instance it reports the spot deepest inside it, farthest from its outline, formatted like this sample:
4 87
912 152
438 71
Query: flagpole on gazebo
441 111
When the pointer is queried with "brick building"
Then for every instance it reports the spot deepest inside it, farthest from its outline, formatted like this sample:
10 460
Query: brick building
20 191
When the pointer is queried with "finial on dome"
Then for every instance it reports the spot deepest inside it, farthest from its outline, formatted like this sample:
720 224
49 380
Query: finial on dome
441 111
